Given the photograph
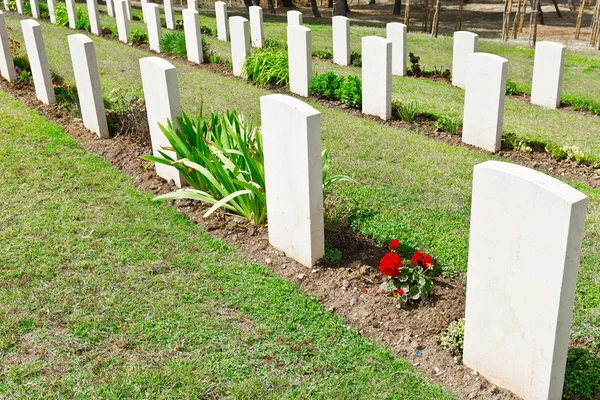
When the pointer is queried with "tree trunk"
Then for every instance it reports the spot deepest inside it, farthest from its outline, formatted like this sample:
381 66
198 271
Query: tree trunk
342 7
271 6
287 3
330 3
460 14
556 8
248 3
579 19
407 15
371 2
257 2
315 8
397 7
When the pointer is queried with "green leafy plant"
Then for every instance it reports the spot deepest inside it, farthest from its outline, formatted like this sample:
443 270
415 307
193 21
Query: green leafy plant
207 30
325 54
126 115
61 14
582 103
221 158
138 37
326 86
355 59
582 375
406 112
66 96
515 88
267 67
447 124
350 92
408 283
43 7
330 180
453 339
25 77
275 44
332 256
174 43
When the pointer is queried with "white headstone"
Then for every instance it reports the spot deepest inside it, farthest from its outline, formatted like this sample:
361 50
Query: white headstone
526 233
122 21
191 4
291 131
240 43
35 8
38 61
87 79
51 12
144 4
299 40
6 5
71 13
193 38
128 2
547 74
484 101
110 7
161 93
222 21
19 6
92 8
294 18
169 14
396 32
341 40
465 43
256 26
377 76
7 67
152 13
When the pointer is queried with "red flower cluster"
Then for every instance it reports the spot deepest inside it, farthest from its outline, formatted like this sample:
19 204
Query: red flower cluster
422 259
394 244
398 291
390 265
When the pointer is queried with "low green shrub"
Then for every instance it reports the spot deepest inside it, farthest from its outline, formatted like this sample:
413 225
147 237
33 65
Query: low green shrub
582 375
582 103
126 116
406 112
174 44
25 77
350 92
43 7
447 124
207 30
515 88
355 59
453 338
275 44
62 17
326 86
332 256
323 54
138 37
267 67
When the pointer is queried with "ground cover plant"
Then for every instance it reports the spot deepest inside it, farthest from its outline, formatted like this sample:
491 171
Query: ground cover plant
409 192
124 297
267 67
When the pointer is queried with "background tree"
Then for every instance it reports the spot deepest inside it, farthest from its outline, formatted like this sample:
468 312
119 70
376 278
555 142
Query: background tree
342 7
315 8
397 7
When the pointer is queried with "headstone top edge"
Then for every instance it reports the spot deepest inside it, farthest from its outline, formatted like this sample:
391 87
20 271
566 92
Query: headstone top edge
292 103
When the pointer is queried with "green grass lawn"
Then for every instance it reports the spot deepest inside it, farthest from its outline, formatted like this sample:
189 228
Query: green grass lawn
106 294
408 186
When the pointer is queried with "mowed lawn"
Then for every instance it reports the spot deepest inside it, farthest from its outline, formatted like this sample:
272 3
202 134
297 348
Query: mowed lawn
106 294
407 186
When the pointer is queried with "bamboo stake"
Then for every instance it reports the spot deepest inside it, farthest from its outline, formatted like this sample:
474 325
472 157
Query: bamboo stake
523 17
460 14
426 18
504 20
594 34
517 19
436 19
579 19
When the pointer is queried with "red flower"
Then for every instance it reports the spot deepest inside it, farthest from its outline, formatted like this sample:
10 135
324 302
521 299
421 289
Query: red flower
365 291
398 291
394 244
55 83
422 259
390 265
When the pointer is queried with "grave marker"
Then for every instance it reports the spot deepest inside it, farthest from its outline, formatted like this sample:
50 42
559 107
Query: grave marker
51 12
548 68
122 21
341 40
110 8
396 33
85 69
222 21
19 6
294 18
291 132
465 43
169 14
38 61
154 29
94 17
193 38
35 9
256 26
484 101
240 43
159 79
525 241
299 40
71 13
128 2
7 67
377 76
191 5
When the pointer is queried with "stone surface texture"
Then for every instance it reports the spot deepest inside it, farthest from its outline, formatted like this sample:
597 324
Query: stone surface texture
35 9
71 13
291 132
110 4
240 43
525 241
7 67
222 21
152 13
94 16
51 12
294 18
38 61
256 26
396 33
193 38
548 66
161 92
377 76
192 5
122 21
169 14
341 40
465 43
85 69
299 40
485 92
19 6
